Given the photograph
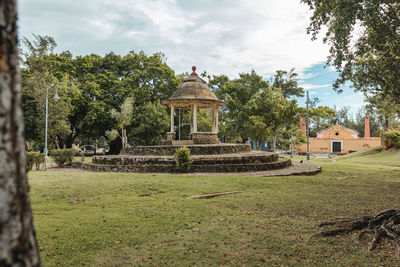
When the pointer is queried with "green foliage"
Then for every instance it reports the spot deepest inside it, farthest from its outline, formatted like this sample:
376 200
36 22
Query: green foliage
39 158
393 137
287 82
183 159
364 39
34 158
30 159
89 87
150 123
62 156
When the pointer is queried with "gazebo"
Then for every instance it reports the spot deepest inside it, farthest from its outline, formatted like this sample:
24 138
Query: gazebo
194 94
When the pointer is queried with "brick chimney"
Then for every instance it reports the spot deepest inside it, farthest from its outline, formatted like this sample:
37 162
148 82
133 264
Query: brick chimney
367 132
303 125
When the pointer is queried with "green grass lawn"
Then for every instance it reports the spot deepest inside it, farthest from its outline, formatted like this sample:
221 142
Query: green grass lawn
120 219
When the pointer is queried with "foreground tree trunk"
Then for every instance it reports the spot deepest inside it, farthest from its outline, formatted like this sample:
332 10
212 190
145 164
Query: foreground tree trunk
18 245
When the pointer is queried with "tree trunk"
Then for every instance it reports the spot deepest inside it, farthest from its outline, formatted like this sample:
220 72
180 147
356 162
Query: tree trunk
123 140
385 128
18 246
274 142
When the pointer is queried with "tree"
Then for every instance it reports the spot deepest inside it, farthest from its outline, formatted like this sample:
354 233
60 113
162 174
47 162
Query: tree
269 112
17 234
150 123
288 83
364 39
123 118
385 109
236 93
39 76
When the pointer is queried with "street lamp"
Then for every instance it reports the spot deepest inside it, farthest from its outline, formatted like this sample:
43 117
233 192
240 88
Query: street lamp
291 141
56 97
308 131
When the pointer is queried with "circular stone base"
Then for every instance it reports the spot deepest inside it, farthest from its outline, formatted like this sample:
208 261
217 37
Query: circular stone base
170 167
198 160
211 149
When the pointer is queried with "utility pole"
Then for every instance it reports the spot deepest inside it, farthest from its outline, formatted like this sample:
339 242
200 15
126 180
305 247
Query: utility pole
46 151
291 141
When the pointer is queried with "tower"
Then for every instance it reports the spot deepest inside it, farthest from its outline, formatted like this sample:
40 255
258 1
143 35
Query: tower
367 132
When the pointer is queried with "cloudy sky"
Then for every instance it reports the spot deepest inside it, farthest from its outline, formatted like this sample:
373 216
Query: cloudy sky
218 36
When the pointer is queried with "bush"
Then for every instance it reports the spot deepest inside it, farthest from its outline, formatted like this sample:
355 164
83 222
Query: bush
393 138
38 159
30 159
62 156
183 159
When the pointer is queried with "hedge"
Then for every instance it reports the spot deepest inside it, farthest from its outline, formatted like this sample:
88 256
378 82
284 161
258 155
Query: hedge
62 156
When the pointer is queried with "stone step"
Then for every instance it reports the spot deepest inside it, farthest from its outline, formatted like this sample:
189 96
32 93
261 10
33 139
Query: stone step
245 158
281 163
182 142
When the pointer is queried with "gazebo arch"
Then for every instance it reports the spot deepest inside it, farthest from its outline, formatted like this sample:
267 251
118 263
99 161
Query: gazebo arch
194 94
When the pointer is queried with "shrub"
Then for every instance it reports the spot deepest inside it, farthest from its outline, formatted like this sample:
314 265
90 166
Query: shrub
183 159
393 138
62 156
38 159
30 159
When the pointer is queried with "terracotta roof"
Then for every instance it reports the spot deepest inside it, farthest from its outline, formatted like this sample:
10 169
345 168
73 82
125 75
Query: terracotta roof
193 88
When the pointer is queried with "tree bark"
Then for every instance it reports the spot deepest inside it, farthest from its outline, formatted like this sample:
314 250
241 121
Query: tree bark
18 246
123 140
274 142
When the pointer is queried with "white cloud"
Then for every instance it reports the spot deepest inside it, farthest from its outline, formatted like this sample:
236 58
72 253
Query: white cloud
101 28
308 86
222 36
303 76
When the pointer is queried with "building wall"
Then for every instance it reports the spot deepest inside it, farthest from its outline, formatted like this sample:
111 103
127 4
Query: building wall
324 145
338 132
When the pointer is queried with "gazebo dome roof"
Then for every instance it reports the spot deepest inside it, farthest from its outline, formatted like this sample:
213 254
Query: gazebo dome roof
193 89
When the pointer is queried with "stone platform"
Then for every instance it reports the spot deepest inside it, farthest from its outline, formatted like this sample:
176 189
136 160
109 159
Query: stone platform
211 158
158 165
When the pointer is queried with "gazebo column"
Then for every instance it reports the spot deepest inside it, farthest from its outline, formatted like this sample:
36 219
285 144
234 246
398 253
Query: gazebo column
215 119
172 119
191 118
194 118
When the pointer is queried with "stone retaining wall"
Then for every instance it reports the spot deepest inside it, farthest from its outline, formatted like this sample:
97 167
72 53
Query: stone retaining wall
204 138
171 168
244 158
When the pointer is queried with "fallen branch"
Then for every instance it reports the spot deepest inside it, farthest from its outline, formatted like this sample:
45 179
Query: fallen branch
385 224
214 194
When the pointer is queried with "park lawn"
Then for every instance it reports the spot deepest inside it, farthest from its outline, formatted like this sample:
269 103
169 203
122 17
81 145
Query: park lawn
123 219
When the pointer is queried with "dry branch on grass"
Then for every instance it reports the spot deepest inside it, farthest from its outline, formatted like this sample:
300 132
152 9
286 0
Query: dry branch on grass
385 224
214 194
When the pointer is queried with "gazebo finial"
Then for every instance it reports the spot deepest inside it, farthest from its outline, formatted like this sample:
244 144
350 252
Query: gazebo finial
194 70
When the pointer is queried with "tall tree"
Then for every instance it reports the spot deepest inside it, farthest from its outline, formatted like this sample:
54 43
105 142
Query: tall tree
269 112
39 77
123 119
17 235
364 39
237 93
287 82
